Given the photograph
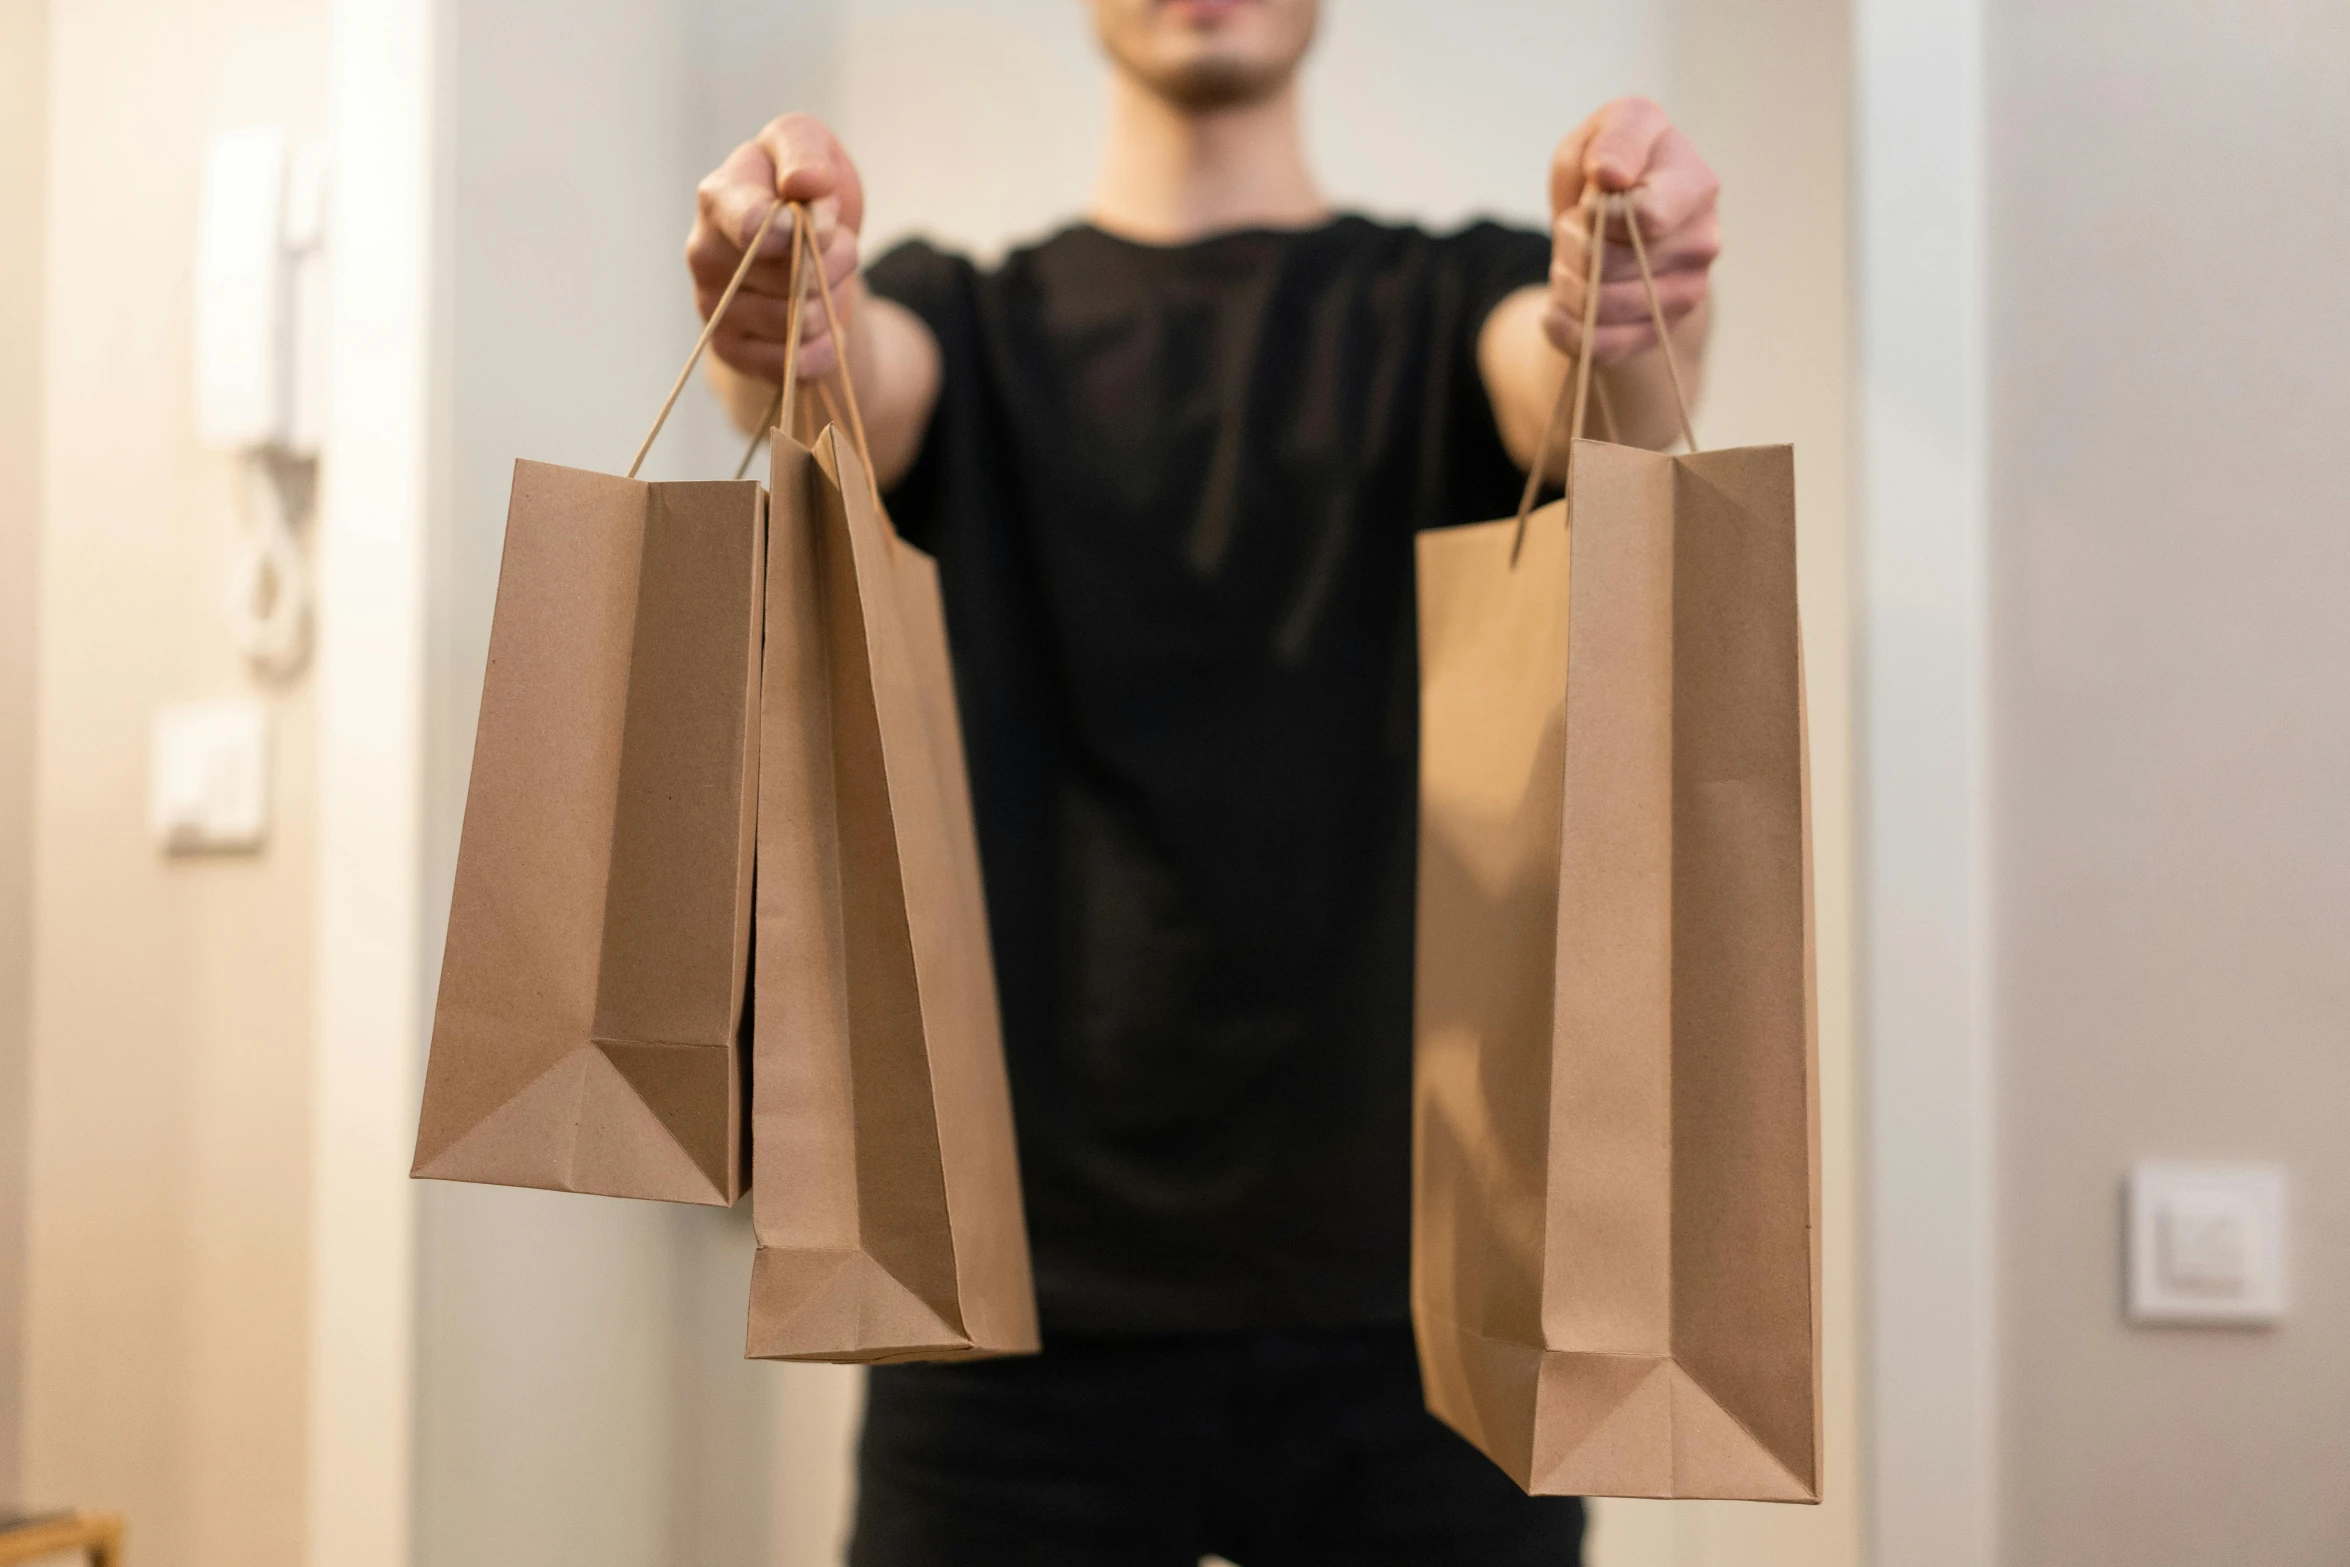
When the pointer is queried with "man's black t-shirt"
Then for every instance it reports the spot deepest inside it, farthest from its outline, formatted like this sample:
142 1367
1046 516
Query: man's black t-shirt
1172 492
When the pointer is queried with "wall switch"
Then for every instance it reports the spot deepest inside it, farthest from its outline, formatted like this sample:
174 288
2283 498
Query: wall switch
209 777
2206 1243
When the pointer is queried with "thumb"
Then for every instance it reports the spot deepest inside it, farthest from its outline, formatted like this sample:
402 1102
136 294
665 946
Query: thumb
735 199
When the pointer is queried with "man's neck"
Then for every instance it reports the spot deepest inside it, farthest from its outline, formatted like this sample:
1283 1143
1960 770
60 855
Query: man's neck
1169 176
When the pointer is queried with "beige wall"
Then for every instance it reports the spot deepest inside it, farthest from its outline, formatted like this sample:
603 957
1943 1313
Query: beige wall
169 1131
24 70
2170 558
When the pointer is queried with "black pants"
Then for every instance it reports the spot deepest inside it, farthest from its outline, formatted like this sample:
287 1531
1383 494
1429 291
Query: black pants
1280 1449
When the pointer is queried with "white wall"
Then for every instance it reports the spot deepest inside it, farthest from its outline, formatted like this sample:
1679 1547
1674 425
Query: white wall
1931 1281
377 481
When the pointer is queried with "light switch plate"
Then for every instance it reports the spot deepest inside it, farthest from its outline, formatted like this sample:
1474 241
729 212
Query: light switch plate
2206 1243
208 782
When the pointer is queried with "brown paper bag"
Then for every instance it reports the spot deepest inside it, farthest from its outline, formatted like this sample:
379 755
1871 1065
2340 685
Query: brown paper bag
586 1034
886 1191
1615 1272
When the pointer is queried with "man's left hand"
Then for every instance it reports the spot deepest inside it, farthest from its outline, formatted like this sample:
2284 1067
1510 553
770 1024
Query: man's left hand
1629 145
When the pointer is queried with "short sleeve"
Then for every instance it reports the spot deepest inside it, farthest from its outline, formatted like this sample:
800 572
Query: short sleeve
1475 270
938 287
1494 261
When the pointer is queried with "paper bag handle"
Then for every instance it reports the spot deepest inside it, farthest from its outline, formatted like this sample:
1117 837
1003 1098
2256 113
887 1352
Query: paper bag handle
1578 374
848 385
778 411
709 330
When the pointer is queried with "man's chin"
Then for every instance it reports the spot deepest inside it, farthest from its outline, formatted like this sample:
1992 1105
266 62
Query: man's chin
1212 83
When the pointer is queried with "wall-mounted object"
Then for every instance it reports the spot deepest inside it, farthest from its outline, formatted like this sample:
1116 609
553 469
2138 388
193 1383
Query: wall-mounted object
260 293
208 776
2206 1243
260 313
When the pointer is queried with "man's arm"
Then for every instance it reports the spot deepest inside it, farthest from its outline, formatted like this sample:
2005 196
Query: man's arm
1522 349
891 354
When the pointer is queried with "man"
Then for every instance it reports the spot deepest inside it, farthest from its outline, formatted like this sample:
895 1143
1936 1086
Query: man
1171 461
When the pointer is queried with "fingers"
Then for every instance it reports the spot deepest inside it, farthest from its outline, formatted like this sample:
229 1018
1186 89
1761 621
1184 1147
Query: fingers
1626 324
758 358
758 321
1626 304
1628 300
1610 149
794 158
1675 187
771 280
1679 264
762 357
809 164
840 264
730 204
1692 247
712 261
756 347
1616 343
1630 145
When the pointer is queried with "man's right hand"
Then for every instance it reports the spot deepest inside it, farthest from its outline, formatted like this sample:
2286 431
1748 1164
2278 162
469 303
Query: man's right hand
794 159
891 355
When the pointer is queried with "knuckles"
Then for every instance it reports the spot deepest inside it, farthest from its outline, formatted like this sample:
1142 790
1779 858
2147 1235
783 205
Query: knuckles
705 260
1626 302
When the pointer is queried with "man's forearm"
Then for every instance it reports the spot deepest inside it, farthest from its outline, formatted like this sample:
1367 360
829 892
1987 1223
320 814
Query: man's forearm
895 363
1523 373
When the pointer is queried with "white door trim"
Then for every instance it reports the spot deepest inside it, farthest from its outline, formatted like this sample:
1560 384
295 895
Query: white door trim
1925 1005
372 581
